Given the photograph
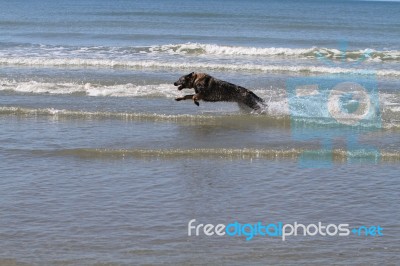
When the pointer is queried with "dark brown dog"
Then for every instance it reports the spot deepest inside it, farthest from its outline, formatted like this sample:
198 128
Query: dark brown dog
210 89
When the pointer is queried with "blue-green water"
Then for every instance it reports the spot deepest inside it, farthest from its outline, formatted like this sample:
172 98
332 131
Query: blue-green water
99 164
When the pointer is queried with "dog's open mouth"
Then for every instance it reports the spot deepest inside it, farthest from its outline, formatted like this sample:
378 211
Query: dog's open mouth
180 86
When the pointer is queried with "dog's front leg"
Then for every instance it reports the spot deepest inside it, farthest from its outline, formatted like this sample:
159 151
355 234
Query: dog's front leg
186 97
195 97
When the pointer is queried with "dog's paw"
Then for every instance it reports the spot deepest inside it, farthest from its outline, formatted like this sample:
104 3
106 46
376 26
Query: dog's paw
197 103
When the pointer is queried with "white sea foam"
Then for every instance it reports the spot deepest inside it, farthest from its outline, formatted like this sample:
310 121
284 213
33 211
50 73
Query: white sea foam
131 90
198 48
312 52
107 52
121 90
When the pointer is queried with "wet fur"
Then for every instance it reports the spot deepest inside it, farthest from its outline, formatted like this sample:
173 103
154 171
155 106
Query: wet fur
210 89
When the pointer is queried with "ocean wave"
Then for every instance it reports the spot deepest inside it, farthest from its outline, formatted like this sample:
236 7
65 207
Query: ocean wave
121 90
337 155
196 49
267 119
77 114
89 89
153 64
316 111
214 49
312 52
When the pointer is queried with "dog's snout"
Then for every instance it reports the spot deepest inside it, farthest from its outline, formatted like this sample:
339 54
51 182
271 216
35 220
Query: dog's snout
176 84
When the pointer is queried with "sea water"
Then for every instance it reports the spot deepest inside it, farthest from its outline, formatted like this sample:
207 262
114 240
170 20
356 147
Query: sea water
99 163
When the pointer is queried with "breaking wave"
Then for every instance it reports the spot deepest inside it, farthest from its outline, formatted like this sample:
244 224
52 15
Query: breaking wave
313 52
155 64
201 49
121 90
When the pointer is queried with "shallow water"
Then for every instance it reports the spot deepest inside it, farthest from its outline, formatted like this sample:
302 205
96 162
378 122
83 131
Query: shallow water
99 164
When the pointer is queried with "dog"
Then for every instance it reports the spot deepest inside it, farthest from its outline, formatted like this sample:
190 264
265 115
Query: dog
210 89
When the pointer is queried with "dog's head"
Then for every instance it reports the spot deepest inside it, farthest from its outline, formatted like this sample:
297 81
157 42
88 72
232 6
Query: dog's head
186 82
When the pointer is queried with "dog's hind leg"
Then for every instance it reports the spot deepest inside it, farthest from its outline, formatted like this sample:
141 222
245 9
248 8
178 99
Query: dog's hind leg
250 99
252 103
258 107
197 97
